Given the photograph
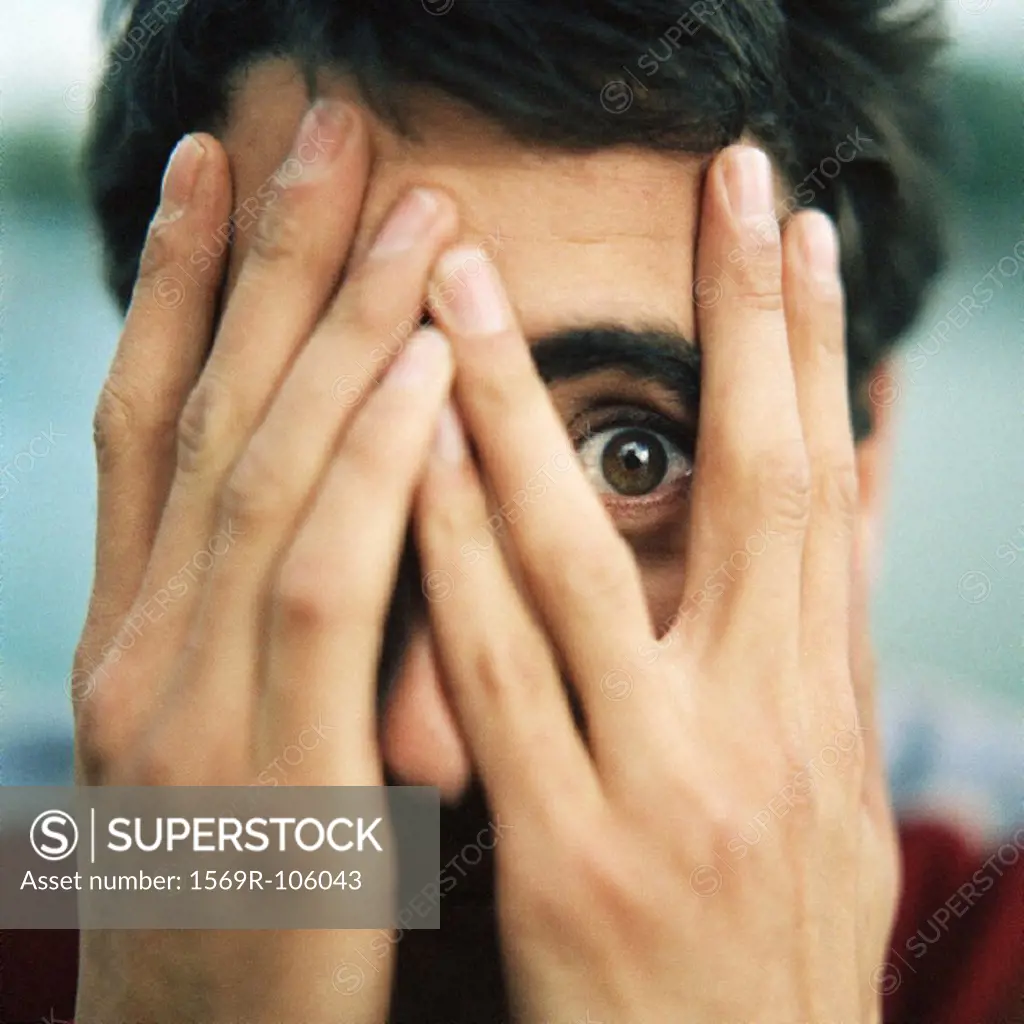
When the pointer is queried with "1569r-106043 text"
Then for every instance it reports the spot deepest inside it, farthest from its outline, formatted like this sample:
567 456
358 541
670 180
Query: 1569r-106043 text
250 881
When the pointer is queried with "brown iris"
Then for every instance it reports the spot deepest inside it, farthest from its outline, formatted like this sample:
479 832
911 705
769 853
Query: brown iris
634 462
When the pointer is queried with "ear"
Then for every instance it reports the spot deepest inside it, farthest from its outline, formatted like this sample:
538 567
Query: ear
874 459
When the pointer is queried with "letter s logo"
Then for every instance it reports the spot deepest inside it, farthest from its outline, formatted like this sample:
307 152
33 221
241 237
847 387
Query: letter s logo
60 829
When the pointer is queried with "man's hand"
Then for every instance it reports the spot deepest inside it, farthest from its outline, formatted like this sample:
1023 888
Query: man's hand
251 517
716 847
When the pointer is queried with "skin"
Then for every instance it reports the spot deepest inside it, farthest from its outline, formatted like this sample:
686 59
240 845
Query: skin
257 440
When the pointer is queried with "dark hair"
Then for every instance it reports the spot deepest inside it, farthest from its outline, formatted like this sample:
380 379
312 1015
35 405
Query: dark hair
799 75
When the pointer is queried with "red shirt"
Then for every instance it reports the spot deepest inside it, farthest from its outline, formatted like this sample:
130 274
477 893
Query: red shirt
957 953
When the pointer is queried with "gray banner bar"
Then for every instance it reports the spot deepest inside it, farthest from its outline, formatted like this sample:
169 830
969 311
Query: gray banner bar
245 857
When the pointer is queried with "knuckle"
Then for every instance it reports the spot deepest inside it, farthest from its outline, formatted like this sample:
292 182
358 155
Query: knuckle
100 737
170 759
114 423
763 301
96 749
603 879
586 874
549 901
493 673
451 534
590 863
502 668
375 457
367 459
493 396
779 480
304 599
158 766
370 304
447 523
123 419
760 283
205 424
784 764
255 492
159 252
94 737
724 819
278 235
836 490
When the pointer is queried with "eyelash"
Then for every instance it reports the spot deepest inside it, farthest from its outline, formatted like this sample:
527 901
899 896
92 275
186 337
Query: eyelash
621 417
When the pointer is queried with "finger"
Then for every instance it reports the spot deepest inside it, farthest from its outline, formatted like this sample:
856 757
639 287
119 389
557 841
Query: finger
159 356
420 738
301 242
263 324
502 674
749 503
274 479
814 311
335 583
577 568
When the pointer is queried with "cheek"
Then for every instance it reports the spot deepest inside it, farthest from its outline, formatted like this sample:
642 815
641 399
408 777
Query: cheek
663 570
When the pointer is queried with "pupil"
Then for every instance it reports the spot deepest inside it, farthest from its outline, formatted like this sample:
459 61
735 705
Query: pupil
634 462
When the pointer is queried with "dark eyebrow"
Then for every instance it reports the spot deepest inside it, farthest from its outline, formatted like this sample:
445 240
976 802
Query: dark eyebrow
660 355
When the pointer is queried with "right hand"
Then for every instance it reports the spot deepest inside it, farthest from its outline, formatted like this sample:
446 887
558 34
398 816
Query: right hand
253 506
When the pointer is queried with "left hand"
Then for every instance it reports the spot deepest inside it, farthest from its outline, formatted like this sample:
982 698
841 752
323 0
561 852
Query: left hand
625 891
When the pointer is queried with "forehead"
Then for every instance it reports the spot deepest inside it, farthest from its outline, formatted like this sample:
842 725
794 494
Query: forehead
579 238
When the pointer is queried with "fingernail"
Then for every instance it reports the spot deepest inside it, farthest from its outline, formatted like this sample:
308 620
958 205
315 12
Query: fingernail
406 224
450 438
426 356
748 182
820 246
320 138
470 291
180 178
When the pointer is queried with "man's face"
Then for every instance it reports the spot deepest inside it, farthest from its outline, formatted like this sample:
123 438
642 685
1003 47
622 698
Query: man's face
581 241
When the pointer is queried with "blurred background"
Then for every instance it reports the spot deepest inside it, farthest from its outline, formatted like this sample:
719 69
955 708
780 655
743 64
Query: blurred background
949 613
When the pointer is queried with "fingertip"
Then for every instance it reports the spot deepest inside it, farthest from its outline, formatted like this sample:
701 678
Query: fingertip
450 445
425 359
213 196
818 247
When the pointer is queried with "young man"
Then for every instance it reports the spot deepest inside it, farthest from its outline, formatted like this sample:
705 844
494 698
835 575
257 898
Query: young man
640 675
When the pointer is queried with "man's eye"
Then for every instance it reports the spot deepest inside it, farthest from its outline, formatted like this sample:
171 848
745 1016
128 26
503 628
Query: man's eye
632 461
